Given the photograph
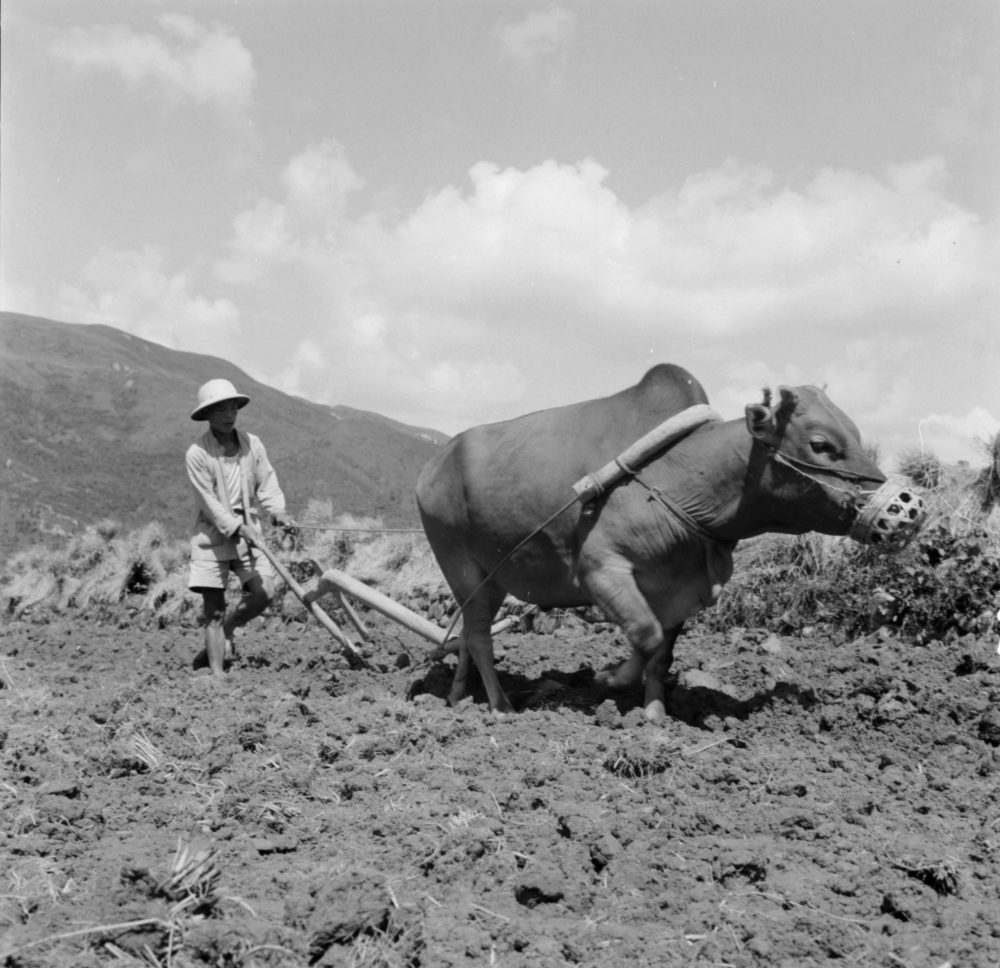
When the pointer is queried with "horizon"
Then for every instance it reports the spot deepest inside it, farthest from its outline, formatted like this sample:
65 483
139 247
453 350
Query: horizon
451 214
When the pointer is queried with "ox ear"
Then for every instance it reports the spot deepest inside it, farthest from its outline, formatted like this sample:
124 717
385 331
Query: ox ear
760 416
760 419
763 420
789 401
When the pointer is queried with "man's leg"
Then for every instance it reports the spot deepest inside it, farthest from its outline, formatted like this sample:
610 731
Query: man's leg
258 591
215 640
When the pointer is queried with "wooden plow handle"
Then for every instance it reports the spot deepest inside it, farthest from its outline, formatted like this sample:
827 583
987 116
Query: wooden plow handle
310 603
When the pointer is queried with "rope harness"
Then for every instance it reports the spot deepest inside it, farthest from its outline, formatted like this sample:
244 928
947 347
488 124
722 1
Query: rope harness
691 524
694 527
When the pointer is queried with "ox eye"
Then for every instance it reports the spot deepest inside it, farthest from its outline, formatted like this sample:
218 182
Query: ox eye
820 445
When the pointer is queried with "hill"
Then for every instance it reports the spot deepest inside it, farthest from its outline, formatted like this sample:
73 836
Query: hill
94 424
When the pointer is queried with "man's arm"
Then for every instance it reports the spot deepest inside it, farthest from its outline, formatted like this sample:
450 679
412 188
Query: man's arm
200 475
269 493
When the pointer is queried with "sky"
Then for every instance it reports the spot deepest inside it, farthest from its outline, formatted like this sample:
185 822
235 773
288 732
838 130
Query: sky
453 212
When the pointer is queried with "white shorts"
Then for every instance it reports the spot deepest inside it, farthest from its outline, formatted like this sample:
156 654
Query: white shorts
214 572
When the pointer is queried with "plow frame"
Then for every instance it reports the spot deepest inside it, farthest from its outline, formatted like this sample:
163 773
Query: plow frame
341 585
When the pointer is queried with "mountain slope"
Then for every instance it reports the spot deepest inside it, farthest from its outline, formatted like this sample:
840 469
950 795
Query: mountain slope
94 423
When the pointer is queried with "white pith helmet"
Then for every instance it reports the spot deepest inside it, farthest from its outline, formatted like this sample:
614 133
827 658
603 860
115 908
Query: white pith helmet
213 392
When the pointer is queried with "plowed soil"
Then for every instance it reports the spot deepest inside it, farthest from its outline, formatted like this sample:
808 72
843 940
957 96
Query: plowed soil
808 801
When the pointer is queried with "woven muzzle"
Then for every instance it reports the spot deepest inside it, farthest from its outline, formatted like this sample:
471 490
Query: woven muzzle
890 516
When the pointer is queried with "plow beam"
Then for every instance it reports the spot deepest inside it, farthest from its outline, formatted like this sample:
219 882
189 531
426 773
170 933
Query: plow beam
334 580
342 584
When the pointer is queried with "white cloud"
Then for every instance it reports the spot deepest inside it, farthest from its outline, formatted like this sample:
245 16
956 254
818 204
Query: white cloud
727 256
318 183
134 291
185 61
17 297
724 255
491 296
965 74
260 238
843 247
954 437
538 44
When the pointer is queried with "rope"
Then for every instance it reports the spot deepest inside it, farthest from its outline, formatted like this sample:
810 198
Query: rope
692 524
792 464
992 532
503 561
329 527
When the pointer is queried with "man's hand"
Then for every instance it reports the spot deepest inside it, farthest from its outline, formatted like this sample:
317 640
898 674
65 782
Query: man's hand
250 534
291 536
284 521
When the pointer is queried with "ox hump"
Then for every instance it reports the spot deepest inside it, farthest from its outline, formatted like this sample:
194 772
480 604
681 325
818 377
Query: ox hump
667 380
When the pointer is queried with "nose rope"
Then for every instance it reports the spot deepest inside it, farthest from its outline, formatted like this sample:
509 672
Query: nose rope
797 463
791 463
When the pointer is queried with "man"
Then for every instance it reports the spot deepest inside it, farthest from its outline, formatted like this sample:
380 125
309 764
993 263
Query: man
230 473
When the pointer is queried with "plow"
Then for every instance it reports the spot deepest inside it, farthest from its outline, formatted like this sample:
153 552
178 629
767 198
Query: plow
343 587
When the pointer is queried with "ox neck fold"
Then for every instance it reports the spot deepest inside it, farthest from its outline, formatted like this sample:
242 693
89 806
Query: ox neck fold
686 520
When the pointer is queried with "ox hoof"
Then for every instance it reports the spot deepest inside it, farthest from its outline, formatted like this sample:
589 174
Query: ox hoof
610 681
655 712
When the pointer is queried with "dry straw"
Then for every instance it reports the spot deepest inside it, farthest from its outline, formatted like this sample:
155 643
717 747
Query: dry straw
103 567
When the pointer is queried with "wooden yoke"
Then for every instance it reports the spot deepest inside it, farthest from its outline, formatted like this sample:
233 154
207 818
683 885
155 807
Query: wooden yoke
672 429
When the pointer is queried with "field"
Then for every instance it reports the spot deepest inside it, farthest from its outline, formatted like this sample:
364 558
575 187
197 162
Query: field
820 793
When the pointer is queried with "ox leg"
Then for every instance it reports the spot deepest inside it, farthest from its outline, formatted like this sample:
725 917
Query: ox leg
459 684
656 669
616 592
626 677
477 644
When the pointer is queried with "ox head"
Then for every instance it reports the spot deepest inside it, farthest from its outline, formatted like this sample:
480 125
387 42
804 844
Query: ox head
816 476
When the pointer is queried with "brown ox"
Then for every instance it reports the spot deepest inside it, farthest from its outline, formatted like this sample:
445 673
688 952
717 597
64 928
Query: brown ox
655 547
